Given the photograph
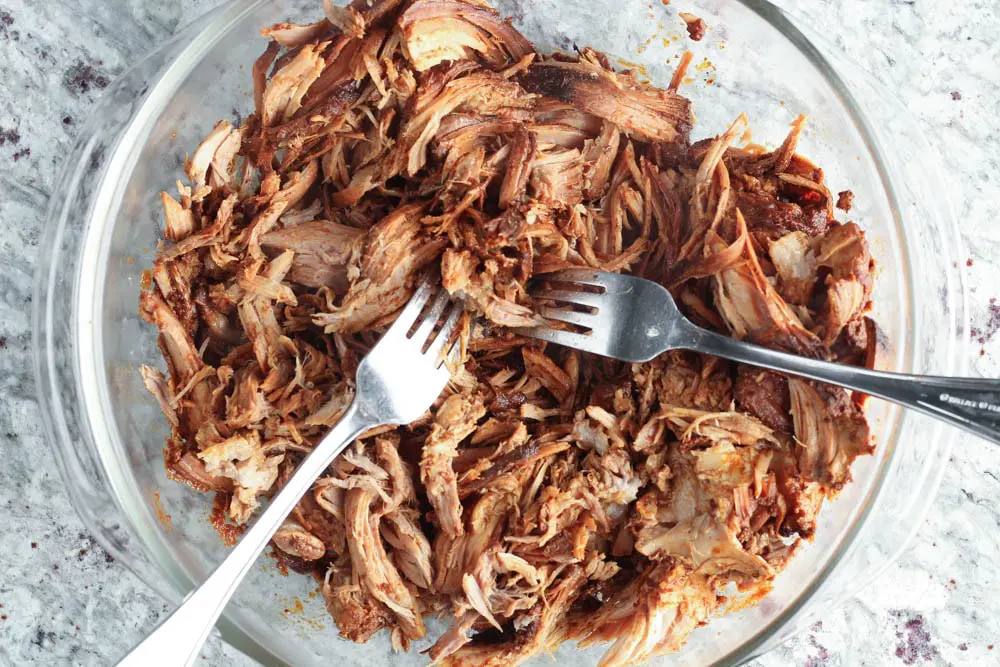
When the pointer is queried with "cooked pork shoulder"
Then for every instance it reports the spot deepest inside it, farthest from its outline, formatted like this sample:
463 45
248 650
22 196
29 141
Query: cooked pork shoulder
549 495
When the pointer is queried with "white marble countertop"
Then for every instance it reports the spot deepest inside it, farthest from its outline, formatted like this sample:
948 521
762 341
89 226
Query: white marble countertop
63 600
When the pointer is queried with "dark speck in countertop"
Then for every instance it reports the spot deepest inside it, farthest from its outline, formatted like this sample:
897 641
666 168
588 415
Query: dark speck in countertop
9 136
989 327
43 638
82 78
6 20
914 639
822 654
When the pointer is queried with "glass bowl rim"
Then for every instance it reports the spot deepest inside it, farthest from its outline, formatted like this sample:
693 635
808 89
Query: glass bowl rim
170 76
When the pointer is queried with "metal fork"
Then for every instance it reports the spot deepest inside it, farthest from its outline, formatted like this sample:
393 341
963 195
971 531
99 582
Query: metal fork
396 383
636 320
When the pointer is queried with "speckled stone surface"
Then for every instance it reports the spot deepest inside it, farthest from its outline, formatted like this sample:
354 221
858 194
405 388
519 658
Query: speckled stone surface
64 601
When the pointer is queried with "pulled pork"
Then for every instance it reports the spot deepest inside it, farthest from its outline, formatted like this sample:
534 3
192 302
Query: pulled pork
548 495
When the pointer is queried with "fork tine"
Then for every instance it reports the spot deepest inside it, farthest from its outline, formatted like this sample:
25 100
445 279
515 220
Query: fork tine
589 277
412 310
447 329
423 332
568 296
587 343
582 319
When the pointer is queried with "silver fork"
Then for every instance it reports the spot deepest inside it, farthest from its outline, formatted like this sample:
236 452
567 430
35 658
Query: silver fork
396 383
636 320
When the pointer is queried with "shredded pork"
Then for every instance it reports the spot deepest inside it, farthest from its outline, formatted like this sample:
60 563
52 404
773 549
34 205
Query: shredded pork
549 495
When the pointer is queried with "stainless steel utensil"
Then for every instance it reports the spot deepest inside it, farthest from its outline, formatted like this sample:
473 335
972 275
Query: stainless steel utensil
396 383
636 320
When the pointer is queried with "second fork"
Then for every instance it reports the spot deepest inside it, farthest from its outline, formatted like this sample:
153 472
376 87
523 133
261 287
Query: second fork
633 319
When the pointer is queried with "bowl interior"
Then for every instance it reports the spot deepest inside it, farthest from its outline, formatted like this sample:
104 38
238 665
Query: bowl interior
744 64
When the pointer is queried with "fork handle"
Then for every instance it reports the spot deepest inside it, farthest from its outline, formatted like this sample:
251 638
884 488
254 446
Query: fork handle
179 637
969 403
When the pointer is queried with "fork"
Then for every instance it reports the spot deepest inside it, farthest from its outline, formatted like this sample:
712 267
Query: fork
396 382
635 320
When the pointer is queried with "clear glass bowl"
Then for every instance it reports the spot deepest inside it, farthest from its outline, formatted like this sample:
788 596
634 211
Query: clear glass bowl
104 222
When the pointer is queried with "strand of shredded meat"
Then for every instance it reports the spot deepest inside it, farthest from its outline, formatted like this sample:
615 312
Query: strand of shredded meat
548 495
